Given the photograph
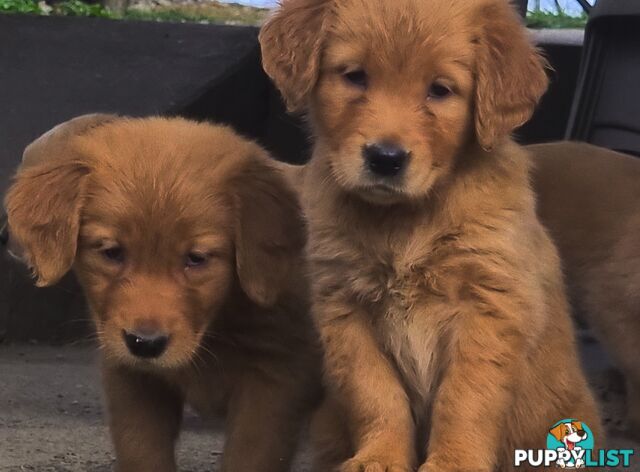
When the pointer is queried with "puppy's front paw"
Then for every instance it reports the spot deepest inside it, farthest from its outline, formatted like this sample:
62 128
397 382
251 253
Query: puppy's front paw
367 464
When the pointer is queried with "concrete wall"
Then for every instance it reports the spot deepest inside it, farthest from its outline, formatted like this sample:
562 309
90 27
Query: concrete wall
57 68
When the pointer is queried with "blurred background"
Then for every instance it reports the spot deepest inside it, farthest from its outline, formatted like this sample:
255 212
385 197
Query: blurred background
556 13
550 5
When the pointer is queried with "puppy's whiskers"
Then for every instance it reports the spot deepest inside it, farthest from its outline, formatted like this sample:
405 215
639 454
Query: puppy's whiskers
202 347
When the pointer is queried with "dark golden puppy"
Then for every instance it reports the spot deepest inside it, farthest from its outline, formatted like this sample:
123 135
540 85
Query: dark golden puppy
187 242
588 198
437 292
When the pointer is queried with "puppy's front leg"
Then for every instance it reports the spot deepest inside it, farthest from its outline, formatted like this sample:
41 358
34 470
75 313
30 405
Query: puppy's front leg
475 393
263 424
367 385
144 420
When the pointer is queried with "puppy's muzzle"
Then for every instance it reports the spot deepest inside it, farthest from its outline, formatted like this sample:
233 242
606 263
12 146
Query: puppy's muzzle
385 159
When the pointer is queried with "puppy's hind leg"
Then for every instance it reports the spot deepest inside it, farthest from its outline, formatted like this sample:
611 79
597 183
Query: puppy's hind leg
616 320
633 402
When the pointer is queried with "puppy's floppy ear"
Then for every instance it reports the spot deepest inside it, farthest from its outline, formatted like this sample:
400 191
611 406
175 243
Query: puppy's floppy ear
510 74
44 202
43 210
55 141
291 42
269 232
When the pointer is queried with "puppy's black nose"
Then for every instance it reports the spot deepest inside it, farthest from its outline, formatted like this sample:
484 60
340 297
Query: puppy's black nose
147 345
385 159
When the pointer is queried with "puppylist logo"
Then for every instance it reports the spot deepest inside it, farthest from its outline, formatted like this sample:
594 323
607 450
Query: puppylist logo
571 445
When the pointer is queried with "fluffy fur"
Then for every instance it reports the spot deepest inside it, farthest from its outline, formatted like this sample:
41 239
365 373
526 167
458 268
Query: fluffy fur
588 198
437 293
188 230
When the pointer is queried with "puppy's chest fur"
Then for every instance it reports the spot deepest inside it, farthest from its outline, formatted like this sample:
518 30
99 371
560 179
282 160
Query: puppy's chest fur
396 284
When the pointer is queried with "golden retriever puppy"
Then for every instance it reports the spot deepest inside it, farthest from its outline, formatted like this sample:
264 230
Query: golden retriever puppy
437 292
588 198
188 244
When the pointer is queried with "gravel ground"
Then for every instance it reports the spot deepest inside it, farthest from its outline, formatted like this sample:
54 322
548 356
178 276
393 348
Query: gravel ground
51 417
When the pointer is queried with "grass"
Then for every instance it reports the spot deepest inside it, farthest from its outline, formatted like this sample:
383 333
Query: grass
213 12
19 6
545 19
209 13
65 7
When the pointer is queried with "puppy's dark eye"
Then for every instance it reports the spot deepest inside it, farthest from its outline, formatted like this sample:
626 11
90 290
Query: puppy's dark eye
196 259
114 254
439 91
357 77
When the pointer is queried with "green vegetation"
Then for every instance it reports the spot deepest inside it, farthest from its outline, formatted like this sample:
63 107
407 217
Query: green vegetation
216 12
65 7
209 13
19 6
545 19
213 12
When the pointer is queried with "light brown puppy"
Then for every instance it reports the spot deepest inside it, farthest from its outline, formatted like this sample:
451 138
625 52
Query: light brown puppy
188 244
589 199
437 292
